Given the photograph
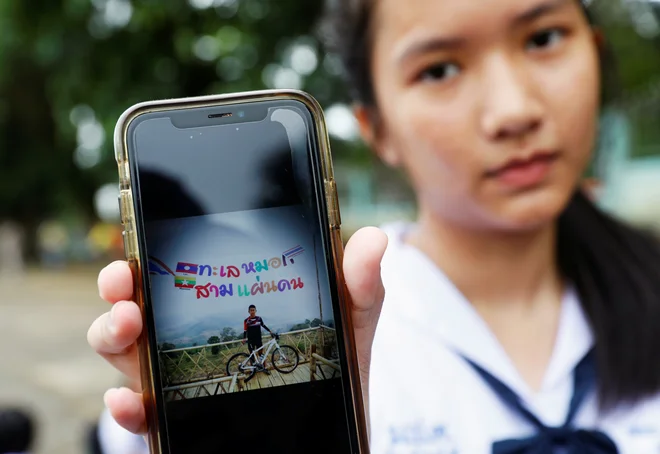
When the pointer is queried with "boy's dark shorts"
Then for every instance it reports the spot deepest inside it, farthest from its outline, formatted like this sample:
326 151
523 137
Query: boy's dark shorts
254 344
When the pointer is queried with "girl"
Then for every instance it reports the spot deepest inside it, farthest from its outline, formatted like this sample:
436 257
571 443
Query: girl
518 317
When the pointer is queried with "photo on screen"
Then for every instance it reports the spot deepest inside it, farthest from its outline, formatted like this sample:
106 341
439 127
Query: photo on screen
245 313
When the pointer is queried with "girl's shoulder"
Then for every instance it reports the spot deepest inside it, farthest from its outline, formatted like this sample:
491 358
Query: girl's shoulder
398 254
407 271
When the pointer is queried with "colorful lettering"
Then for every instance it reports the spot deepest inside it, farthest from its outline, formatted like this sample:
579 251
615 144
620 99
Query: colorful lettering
186 276
205 268
283 285
297 283
257 287
261 266
249 268
224 290
204 291
270 286
275 262
227 290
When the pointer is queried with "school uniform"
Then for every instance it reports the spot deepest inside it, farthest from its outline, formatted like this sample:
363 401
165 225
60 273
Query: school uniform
441 383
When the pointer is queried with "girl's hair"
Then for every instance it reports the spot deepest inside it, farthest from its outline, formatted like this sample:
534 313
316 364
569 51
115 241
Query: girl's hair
613 266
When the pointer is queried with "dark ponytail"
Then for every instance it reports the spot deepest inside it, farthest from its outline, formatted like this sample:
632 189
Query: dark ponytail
615 268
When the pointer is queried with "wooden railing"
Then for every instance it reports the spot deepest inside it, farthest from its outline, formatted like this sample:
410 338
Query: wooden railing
224 385
181 366
316 364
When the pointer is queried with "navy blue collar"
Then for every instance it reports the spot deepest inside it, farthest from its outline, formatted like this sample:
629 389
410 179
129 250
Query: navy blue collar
550 440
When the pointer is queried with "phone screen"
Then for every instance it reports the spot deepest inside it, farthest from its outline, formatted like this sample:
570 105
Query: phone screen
241 300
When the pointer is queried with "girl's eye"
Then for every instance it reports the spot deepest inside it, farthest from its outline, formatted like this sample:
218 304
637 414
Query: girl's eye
546 39
439 72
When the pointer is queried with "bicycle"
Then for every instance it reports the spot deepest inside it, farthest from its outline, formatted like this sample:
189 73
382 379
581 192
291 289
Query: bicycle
284 358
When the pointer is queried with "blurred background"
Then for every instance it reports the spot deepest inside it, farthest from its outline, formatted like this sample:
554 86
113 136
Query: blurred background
69 68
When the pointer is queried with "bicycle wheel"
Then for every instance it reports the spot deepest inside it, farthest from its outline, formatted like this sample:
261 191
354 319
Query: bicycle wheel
285 359
235 365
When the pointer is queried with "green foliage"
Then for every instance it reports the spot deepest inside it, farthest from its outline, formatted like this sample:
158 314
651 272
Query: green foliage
167 346
635 57
299 326
229 334
635 67
214 340
307 324
59 55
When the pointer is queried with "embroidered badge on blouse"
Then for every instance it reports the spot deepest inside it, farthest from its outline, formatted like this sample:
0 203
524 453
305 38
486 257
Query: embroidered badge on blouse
421 438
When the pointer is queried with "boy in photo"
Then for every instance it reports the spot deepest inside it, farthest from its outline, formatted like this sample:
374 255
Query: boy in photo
252 332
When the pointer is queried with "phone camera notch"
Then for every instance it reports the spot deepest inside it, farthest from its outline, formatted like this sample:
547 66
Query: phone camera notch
221 115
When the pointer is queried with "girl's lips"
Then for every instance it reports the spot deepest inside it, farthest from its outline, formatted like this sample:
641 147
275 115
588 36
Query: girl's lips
527 172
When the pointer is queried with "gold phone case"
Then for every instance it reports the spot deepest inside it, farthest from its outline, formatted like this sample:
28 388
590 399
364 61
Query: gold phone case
130 234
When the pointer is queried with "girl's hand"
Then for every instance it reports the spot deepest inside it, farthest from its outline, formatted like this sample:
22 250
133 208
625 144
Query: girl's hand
113 335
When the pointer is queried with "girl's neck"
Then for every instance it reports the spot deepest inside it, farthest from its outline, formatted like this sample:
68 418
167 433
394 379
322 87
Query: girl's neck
516 271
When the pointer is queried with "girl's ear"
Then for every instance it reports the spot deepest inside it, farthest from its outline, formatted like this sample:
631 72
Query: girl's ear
374 137
366 124
599 39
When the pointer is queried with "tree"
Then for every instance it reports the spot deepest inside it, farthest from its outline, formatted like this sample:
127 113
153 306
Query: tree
168 346
59 56
214 340
229 334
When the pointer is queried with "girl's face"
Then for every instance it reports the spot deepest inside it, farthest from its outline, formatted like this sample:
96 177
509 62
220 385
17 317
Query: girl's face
490 106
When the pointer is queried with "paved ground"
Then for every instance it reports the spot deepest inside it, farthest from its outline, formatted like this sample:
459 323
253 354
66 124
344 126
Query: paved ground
45 362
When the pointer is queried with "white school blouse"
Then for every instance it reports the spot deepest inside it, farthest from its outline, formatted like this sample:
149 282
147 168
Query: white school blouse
425 398
114 439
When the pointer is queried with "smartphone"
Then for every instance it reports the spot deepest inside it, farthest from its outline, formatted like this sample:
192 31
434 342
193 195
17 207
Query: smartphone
232 231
